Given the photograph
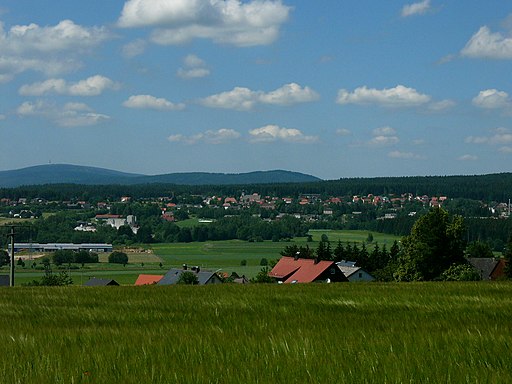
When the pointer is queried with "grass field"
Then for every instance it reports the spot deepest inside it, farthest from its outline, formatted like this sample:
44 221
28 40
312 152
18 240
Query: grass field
225 256
316 333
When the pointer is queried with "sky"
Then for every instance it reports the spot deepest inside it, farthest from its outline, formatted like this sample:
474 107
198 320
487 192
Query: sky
331 88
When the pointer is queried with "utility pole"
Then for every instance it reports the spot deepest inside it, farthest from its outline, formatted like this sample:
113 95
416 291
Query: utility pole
11 278
11 236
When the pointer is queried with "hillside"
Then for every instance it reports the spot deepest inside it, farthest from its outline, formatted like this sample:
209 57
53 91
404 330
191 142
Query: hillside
74 174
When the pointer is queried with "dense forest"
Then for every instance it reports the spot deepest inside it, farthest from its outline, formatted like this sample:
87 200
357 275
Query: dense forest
492 187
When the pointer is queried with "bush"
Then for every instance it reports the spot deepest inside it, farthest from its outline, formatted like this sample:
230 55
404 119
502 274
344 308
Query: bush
189 278
264 262
118 257
243 263
460 272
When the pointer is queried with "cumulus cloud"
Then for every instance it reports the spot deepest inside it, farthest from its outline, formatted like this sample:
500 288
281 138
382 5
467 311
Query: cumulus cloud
404 155
244 99
211 137
492 99
343 132
194 67
500 136
468 158
441 106
398 96
416 8
487 45
134 48
69 115
50 49
270 133
233 22
152 102
383 136
92 86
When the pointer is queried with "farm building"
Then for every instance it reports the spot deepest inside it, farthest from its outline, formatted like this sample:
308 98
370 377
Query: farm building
203 277
52 247
354 273
94 282
488 267
148 279
297 270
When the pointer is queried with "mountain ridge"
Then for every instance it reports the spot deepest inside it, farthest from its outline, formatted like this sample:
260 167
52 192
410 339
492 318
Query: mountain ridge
78 174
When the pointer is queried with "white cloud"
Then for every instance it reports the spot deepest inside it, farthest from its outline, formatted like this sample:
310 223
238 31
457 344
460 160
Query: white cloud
403 155
151 102
416 8
70 115
343 132
467 158
383 136
487 45
212 137
92 86
194 68
382 141
2 117
505 149
244 99
270 133
501 136
399 96
384 131
492 99
289 94
51 50
441 106
134 48
233 22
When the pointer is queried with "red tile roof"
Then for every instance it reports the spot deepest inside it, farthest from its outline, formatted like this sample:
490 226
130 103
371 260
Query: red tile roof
148 279
300 270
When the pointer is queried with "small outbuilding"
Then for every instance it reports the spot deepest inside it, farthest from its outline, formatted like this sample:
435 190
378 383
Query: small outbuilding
354 273
94 282
4 280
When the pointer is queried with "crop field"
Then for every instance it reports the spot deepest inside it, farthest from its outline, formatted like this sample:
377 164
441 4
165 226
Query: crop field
226 256
316 333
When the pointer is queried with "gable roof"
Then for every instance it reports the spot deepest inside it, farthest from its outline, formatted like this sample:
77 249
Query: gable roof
290 269
94 282
488 267
4 280
173 275
348 270
148 279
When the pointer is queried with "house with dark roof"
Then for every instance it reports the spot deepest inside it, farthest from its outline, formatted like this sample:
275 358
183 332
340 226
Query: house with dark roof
148 279
297 270
94 282
4 280
354 273
203 277
488 267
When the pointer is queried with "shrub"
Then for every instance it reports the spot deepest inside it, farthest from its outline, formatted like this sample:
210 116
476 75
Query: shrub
118 257
189 278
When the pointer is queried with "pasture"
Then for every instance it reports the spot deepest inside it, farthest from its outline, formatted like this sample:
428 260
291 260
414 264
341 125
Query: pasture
225 256
316 333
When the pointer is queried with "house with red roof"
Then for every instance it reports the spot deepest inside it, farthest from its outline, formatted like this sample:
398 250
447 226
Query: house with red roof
148 279
297 270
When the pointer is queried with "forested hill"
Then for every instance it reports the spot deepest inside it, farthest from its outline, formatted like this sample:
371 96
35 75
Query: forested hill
73 174
492 187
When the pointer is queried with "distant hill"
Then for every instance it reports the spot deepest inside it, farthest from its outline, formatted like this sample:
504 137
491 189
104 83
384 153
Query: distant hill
75 174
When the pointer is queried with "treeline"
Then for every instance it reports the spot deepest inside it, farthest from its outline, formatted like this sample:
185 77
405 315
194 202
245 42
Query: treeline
492 187
60 228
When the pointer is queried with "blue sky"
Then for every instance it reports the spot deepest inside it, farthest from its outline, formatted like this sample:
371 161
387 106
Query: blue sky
331 88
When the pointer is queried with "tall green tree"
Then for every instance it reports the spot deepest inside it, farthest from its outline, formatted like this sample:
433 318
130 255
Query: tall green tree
437 241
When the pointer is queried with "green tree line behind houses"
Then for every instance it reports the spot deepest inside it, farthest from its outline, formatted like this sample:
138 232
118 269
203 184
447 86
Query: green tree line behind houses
492 187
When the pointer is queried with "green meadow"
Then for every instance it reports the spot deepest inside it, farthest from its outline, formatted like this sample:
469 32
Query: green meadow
223 256
315 333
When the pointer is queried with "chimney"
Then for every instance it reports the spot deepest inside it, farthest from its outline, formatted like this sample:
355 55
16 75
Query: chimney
185 267
296 257
197 269
316 260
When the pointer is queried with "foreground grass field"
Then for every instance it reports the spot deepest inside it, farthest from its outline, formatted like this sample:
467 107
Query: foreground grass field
337 333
